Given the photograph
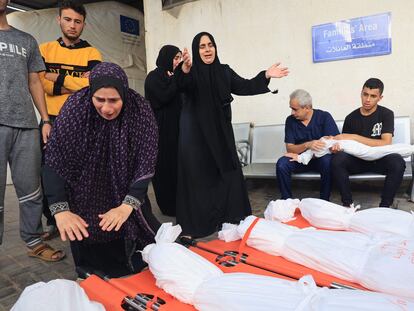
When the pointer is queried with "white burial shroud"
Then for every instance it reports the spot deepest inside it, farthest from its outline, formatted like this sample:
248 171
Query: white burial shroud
59 294
358 150
377 262
326 215
192 279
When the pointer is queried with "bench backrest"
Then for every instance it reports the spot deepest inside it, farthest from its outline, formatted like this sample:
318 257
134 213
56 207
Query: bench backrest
241 131
242 138
268 140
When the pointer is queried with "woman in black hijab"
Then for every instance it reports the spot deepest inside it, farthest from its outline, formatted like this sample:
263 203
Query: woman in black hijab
161 91
211 188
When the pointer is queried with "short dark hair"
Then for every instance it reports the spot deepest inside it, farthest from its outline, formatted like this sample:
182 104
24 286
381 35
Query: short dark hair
374 83
74 5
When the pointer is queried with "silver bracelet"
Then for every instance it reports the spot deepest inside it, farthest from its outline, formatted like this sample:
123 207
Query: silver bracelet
58 207
132 201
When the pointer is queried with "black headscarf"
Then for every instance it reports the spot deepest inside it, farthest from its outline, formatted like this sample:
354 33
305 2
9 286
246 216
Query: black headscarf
100 159
166 56
213 100
160 89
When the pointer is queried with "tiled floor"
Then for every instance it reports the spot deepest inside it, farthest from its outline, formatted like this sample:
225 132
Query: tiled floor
17 270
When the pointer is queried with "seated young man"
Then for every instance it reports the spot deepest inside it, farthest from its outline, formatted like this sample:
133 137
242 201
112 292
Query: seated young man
372 125
303 129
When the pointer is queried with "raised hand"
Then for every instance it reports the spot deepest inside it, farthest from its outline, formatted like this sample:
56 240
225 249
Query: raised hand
186 61
275 71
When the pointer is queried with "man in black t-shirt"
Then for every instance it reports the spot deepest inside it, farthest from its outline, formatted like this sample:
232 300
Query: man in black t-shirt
372 125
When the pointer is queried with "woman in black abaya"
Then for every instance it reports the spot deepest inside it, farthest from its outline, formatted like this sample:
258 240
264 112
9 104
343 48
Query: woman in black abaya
161 91
211 188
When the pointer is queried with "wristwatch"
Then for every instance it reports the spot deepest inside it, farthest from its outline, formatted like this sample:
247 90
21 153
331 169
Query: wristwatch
47 122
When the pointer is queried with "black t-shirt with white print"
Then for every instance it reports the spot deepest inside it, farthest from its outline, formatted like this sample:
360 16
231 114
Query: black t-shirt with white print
379 122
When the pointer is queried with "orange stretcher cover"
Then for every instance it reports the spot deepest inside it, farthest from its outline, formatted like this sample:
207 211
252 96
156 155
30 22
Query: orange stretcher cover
273 263
111 293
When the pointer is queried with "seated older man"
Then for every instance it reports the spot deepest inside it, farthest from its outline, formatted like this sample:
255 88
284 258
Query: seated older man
303 129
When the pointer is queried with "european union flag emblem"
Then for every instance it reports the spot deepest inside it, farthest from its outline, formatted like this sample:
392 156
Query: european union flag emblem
129 25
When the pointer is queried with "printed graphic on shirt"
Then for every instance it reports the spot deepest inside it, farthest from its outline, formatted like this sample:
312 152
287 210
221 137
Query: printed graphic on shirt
67 70
10 50
376 129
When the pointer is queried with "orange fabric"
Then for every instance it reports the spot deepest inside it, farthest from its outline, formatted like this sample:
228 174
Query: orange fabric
245 237
276 264
239 267
299 222
144 282
104 293
112 293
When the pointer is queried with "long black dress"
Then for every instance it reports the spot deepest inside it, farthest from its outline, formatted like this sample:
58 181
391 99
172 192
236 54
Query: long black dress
161 91
211 188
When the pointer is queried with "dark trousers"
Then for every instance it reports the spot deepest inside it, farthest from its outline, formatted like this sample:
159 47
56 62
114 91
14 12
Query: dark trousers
50 220
113 259
392 166
285 168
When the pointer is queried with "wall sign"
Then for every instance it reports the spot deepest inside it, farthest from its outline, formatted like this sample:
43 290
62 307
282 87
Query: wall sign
129 29
352 38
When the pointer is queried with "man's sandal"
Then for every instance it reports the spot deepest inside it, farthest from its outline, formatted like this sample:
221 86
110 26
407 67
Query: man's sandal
50 234
46 252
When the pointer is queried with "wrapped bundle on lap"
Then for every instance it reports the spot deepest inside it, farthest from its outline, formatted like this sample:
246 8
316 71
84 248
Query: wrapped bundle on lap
192 279
358 150
379 263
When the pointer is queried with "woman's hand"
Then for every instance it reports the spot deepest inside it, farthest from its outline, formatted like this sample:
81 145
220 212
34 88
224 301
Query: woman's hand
71 225
115 217
186 61
275 71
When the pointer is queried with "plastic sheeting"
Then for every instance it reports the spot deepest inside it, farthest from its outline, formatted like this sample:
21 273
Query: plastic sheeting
62 295
111 27
379 263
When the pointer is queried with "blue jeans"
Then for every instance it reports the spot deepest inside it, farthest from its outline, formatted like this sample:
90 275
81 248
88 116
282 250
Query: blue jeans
285 168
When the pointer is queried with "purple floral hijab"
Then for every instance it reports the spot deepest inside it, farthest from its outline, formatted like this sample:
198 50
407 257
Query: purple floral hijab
101 159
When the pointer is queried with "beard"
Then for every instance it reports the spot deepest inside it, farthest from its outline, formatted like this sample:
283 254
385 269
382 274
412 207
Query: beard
72 37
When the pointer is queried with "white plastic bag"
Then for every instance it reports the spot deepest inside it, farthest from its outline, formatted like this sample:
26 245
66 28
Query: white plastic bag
62 295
